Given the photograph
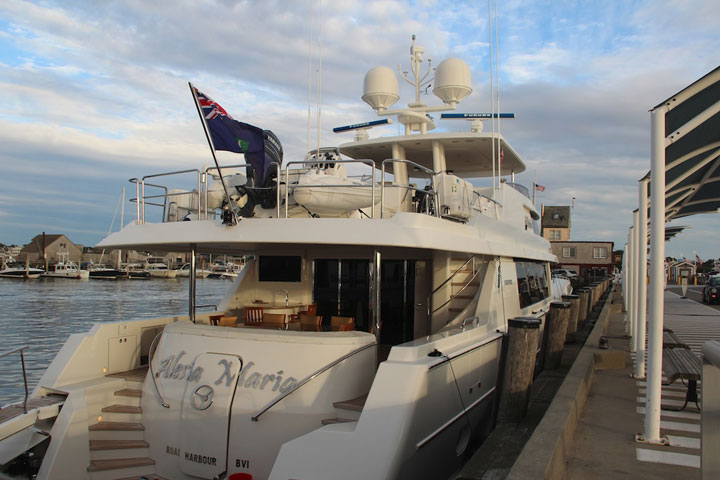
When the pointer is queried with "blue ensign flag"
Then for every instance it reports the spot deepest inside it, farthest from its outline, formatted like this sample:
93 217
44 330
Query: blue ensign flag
230 135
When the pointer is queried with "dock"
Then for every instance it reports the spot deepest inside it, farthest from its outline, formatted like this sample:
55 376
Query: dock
583 418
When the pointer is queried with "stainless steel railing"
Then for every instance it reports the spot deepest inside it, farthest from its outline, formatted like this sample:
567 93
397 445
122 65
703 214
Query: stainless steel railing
151 353
432 193
284 183
307 379
22 361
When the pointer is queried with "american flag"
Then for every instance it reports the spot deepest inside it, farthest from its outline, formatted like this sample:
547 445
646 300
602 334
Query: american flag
539 188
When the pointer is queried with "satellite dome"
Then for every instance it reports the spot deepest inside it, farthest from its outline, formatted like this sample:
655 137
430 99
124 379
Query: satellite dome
452 81
380 88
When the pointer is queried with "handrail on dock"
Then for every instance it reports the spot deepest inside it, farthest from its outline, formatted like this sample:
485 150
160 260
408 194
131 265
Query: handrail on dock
22 360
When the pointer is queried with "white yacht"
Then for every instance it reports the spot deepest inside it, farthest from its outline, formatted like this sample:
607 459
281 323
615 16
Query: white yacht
425 276
157 269
184 272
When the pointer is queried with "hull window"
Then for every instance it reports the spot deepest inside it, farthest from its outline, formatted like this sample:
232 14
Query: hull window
531 281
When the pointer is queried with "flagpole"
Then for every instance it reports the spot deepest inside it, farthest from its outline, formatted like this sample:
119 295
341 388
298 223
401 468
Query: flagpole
212 150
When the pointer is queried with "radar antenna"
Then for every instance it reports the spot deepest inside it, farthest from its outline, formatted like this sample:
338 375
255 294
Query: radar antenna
416 54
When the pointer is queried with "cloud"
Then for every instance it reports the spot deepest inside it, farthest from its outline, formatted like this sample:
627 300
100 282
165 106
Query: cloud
96 96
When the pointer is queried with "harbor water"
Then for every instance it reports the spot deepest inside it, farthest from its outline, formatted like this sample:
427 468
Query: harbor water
43 313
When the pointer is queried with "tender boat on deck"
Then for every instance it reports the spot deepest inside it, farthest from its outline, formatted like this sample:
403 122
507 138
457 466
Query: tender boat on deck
364 346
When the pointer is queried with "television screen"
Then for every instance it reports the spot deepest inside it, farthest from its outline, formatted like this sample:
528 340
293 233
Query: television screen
280 268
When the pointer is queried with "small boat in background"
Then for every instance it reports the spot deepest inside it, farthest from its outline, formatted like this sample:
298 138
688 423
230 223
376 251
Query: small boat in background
20 271
159 270
133 271
103 272
184 272
66 269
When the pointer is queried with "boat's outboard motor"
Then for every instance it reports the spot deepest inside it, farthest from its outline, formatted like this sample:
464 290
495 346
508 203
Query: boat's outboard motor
263 191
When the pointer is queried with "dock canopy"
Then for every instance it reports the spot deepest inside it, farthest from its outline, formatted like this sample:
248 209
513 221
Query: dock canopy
692 152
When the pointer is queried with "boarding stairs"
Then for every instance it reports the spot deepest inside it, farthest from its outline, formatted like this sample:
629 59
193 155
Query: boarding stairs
117 446
464 284
350 410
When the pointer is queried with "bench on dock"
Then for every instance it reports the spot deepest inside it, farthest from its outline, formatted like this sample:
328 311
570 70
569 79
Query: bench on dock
681 363
670 340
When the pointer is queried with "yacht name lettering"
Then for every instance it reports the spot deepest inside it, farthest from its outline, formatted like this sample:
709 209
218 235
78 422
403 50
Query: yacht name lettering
260 381
169 449
170 367
226 373
204 459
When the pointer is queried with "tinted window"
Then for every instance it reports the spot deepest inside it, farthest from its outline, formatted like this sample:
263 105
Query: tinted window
532 282
714 281
279 269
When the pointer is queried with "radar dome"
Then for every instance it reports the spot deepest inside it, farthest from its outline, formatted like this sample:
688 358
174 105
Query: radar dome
380 88
452 81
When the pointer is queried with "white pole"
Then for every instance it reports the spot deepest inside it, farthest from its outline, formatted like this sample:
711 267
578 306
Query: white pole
642 280
625 276
633 283
657 272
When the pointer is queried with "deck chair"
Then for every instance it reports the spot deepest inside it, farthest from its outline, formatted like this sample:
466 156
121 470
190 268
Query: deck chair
227 321
310 323
252 315
311 310
342 324
273 320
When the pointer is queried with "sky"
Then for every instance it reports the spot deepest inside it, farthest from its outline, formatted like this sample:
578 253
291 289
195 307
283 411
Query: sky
96 93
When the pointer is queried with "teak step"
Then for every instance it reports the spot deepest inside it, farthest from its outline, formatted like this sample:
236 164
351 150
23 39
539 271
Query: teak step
144 477
355 404
462 284
136 375
122 409
116 463
129 392
117 444
330 421
117 426
463 297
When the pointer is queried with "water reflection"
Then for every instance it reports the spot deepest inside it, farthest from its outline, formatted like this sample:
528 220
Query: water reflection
43 313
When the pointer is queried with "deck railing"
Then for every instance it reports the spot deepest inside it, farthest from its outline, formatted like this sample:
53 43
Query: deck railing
286 182
22 361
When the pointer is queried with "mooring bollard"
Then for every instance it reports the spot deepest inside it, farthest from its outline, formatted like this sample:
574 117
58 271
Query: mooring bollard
572 326
584 294
557 331
523 337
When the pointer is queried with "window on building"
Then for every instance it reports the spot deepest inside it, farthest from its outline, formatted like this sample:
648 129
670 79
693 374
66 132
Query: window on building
600 252
554 234
569 252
